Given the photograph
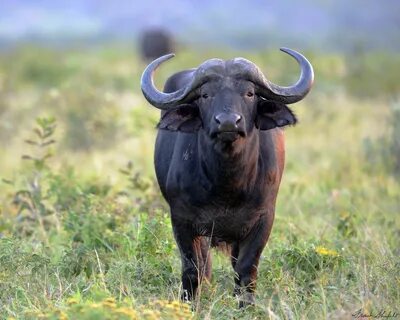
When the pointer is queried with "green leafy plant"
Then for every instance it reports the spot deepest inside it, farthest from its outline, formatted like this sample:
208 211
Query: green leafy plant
43 139
142 191
32 201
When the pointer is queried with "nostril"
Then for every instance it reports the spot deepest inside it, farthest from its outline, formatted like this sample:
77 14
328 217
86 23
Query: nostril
233 118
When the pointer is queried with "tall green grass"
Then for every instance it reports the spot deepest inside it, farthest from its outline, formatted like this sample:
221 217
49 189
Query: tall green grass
85 234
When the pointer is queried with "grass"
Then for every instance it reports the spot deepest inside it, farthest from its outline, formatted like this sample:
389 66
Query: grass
84 233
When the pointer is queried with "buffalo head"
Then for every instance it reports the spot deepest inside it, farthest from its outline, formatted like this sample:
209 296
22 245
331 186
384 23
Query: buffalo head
227 99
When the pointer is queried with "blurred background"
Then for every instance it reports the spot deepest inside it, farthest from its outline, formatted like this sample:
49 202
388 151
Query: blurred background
323 25
77 139
81 60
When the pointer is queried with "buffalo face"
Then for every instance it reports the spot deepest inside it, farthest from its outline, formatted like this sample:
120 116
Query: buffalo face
227 100
228 110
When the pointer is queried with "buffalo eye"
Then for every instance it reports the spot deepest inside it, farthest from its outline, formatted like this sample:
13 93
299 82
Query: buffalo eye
204 95
249 94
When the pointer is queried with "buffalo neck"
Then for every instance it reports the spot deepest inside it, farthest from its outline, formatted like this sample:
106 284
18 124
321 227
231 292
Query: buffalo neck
230 170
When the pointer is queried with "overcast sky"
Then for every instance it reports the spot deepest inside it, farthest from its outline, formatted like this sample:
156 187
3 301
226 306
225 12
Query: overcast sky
371 23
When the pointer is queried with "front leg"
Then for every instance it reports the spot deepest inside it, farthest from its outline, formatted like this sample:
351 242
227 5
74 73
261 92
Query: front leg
248 254
187 245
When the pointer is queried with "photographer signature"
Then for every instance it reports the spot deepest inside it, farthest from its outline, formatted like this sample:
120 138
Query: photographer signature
375 315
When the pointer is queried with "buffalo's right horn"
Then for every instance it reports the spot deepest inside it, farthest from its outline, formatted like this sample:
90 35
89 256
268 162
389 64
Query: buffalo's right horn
160 99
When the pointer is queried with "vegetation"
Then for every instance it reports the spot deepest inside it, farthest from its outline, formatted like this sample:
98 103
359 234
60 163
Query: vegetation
84 233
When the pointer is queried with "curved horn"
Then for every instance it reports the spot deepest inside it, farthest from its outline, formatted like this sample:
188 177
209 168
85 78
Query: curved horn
211 68
157 98
292 93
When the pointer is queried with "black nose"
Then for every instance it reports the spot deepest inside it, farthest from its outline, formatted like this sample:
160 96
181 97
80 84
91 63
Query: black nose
228 121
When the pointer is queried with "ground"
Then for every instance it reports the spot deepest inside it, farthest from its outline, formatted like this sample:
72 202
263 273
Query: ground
85 234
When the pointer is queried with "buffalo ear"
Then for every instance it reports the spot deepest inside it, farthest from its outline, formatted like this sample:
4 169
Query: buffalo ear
184 118
272 114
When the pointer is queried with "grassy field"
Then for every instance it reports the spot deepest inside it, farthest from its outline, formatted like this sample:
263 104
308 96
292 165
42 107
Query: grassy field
84 233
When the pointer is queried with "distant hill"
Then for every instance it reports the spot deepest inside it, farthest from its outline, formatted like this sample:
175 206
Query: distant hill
325 24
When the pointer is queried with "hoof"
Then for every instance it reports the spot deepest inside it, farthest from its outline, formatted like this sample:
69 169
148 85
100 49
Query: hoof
246 299
185 297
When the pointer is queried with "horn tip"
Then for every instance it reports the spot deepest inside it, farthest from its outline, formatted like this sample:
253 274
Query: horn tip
163 58
168 56
287 50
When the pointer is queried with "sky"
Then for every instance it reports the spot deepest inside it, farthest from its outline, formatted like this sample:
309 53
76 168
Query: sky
339 24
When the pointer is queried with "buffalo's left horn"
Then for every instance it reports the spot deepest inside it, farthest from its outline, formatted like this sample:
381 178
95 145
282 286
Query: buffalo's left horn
292 93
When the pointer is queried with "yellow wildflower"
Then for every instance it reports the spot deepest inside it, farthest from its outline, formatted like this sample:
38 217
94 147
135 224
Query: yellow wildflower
150 314
62 316
95 305
326 252
131 313
109 303
71 301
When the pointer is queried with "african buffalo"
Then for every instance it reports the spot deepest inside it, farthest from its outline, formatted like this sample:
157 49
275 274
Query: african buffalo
154 43
219 158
